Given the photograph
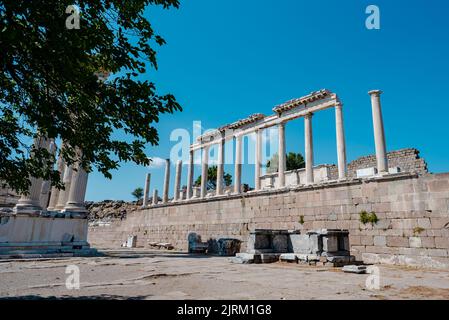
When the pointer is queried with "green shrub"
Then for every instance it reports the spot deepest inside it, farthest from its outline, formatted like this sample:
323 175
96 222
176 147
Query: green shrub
301 219
366 217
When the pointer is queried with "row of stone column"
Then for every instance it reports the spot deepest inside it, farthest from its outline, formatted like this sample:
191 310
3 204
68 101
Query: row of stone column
70 199
379 136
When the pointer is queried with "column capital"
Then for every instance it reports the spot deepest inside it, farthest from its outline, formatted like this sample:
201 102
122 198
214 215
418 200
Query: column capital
339 105
375 92
308 115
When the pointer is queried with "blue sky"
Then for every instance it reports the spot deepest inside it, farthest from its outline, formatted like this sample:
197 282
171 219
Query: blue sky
227 59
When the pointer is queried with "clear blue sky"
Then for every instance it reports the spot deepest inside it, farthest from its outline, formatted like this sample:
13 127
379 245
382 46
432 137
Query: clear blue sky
227 59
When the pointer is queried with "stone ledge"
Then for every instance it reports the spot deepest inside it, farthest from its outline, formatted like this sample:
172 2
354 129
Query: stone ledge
301 188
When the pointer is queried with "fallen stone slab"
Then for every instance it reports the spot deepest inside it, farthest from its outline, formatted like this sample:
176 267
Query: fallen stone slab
354 269
288 257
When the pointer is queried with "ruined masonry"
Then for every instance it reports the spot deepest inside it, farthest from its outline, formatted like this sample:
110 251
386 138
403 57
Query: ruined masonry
389 208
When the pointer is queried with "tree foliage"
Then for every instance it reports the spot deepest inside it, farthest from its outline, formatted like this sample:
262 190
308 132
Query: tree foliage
212 178
137 193
293 161
49 83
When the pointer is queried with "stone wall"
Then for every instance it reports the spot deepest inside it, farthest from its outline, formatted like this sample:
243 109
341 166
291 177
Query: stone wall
412 212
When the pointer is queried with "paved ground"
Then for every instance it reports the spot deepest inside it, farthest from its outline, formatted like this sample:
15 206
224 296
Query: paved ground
139 274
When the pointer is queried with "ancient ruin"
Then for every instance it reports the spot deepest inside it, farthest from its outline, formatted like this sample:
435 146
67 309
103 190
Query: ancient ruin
384 208
389 207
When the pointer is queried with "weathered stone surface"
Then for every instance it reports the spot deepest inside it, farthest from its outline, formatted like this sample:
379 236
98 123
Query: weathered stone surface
290 257
228 247
402 204
354 269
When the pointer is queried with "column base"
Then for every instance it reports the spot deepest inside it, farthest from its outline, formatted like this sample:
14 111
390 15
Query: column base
27 209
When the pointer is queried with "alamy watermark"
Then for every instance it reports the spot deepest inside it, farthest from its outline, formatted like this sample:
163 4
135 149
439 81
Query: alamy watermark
73 20
72 281
372 22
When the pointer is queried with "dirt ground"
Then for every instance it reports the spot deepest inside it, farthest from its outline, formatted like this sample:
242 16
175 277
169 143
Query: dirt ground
142 274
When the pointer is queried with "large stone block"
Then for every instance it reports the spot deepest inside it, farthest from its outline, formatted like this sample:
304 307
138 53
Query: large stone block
300 243
280 243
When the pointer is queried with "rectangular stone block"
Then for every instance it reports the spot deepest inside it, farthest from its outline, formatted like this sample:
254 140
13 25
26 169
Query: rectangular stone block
380 241
442 242
300 243
415 242
397 242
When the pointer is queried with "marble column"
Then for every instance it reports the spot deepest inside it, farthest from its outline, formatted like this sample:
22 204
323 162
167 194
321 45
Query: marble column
204 170
190 173
341 144
379 133
281 155
30 203
178 180
77 193
64 194
220 167
166 181
146 192
258 159
46 185
309 148
238 165
155 197
54 196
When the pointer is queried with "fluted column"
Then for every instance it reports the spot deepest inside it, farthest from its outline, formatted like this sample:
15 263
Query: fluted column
30 203
77 193
155 197
146 192
220 168
64 194
341 144
178 180
281 154
309 148
46 185
54 196
166 181
190 174
204 170
258 159
379 133
238 165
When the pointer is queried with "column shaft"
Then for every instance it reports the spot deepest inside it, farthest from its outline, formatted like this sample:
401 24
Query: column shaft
258 160
379 133
55 191
30 203
281 154
309 148
77 193
220 168
238 165
341 144
178 180
146 192
155 197
204 170
190 174
166 181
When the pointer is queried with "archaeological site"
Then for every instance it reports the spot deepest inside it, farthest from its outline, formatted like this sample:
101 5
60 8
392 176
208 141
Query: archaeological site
138 165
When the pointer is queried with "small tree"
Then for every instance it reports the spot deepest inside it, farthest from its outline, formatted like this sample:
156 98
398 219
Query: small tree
137 193
212 178
293 161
